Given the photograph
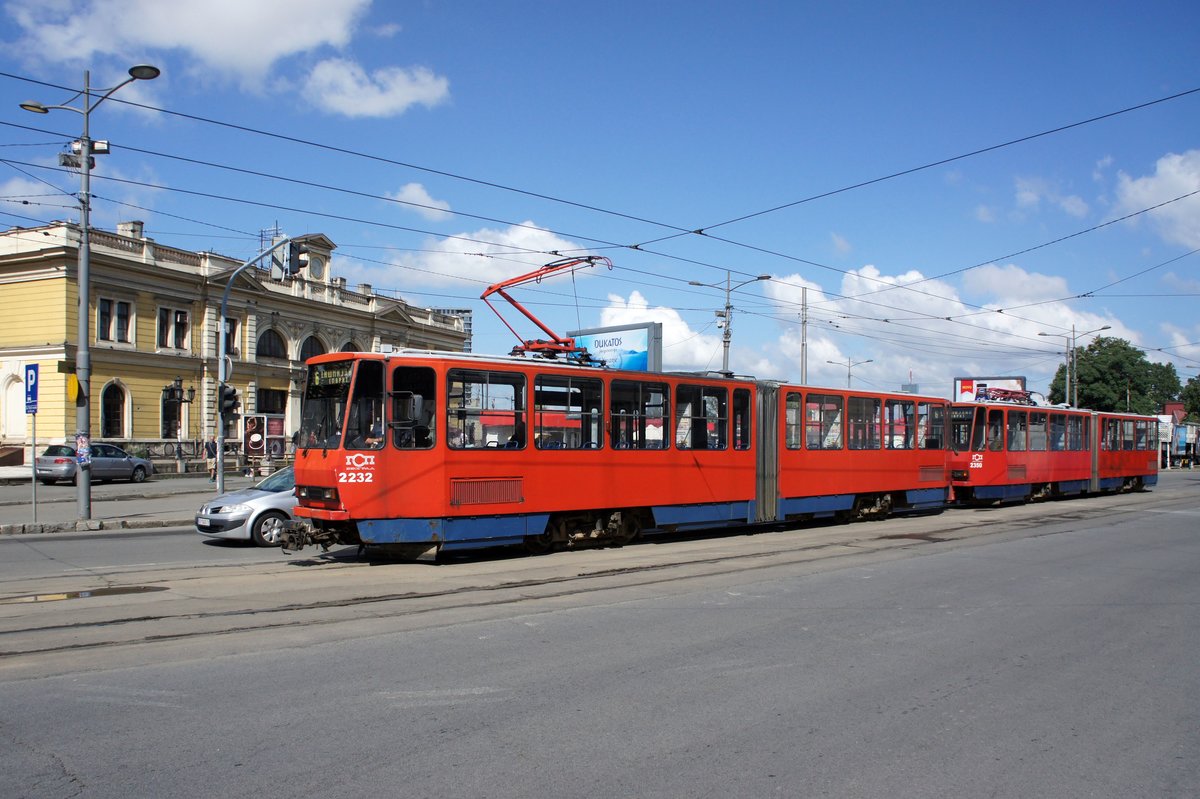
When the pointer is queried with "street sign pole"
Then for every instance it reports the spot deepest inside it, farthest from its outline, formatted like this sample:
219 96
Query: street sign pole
31 405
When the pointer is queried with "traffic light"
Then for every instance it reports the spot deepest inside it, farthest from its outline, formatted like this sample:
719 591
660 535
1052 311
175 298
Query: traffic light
228 399
297 258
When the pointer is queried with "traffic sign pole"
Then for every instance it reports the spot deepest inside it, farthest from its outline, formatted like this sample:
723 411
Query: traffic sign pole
31 407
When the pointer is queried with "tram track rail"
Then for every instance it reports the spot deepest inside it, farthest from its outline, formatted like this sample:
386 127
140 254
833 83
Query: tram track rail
221 606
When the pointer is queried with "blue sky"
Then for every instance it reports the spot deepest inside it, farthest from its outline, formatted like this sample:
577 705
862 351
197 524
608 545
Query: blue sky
853 149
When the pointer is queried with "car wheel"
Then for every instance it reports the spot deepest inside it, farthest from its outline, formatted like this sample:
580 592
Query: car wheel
75 479
267 528
48 482
139 474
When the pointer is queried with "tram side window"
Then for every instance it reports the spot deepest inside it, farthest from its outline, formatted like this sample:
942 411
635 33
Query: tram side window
995 429
1058 432
1076 435
863 414
1141 435
1018 431
1111 440
485 409
568 412
701 417
639 417
899 428
364 425
742 418
793 412
414 407
1037 431
823 421
1127 435
931 425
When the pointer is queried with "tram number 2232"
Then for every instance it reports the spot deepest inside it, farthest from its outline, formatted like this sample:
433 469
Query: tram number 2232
360 468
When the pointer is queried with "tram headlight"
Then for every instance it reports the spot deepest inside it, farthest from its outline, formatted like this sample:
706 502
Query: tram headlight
317 493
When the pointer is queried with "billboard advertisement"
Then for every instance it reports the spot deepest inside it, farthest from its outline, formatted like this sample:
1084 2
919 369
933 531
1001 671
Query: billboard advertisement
971 389
637 347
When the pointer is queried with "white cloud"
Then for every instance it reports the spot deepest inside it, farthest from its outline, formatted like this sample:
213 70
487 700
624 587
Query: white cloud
684 349
1012 285
840 245
345 88
935 335
984 214
31 198
415 195
1174 175
386 31
472 260
231 37
1031 192
224 40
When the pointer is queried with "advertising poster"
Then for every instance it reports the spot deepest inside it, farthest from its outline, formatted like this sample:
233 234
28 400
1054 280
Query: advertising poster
636 347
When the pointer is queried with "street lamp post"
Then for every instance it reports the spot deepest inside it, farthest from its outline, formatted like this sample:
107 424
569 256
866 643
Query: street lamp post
850 365
83 356
174 394
1072 380
1075 360
727 314
1067 343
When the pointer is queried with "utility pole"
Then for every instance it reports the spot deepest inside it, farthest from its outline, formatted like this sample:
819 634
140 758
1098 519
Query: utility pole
804 335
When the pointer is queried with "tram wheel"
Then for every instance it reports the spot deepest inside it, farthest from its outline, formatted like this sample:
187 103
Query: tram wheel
539 544
629 531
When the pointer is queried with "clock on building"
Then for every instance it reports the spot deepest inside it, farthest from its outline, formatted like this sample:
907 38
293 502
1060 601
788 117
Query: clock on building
316 267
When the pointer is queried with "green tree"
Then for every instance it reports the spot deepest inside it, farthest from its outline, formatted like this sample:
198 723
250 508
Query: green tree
1191 398
1114 375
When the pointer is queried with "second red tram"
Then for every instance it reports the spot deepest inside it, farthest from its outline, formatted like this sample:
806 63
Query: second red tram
1010 452
426 452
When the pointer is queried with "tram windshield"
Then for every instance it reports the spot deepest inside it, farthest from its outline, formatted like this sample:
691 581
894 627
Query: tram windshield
967 428
325 399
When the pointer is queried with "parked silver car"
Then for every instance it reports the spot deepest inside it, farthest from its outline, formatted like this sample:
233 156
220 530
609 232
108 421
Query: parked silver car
59 462
253 514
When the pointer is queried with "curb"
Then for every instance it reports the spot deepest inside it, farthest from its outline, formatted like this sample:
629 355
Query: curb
93 525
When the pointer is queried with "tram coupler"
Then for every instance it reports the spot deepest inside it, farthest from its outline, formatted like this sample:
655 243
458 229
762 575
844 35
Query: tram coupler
295 536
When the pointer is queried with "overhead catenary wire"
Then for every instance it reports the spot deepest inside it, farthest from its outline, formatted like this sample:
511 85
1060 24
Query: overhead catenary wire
677 228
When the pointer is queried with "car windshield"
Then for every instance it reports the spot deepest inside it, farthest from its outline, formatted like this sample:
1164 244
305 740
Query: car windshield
282 480
57 451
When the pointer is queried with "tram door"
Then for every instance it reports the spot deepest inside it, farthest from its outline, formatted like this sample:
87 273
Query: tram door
766 482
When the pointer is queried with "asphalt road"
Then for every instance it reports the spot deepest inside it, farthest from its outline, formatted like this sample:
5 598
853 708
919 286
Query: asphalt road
1043 650
158 501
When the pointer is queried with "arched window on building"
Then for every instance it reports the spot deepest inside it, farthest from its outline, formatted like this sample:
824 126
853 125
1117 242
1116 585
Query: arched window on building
311 346
351 346
112 412
270 345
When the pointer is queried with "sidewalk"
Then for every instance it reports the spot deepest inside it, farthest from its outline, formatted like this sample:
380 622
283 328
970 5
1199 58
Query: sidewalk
165 500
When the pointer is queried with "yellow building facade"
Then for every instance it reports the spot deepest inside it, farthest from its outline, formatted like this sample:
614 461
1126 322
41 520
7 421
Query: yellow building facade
153 324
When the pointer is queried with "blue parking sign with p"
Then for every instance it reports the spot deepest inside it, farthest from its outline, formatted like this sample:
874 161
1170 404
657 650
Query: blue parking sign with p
31 388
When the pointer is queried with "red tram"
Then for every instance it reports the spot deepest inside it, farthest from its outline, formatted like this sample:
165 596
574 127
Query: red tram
1003 451
428 452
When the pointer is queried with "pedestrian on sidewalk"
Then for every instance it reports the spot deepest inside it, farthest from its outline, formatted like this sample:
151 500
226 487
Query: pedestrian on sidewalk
210 455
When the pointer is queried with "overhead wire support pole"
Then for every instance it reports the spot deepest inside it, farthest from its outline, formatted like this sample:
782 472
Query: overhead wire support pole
727 314
223 350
